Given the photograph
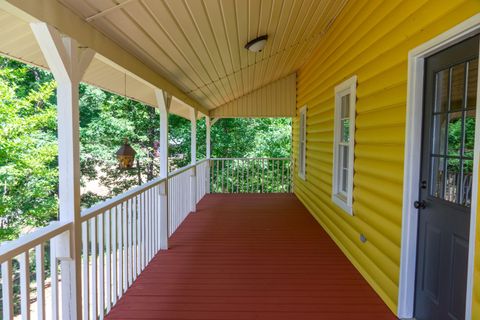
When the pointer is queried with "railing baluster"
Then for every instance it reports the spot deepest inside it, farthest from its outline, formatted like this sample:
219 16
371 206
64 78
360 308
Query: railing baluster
108 261
7 290
125 246
101 268
148 225
114 219
24 262
134 239
85 267
54 280
120 250
40 279
93 283
130 245
142 227
223 174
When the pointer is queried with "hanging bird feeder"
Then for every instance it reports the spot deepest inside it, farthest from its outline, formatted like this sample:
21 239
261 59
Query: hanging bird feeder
126 156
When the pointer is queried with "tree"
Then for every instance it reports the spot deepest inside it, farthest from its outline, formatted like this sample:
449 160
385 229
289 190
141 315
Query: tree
28 148
29 155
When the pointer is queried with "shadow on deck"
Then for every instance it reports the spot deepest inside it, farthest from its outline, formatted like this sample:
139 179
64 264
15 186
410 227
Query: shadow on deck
250 257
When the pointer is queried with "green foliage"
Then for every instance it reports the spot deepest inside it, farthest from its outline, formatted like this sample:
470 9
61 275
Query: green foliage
455 136
28 148
29 155
106 120
262 137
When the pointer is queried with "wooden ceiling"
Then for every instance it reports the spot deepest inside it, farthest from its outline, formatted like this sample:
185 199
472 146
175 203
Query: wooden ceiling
199 44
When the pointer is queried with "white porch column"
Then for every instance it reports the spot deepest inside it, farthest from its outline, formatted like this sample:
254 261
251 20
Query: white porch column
68 64
193 161
208 127
208 153
163 103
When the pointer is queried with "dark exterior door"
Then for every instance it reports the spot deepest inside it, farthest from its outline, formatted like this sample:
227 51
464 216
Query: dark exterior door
446 181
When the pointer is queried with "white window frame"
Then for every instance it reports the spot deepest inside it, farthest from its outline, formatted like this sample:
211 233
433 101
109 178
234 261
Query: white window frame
340 198
302 142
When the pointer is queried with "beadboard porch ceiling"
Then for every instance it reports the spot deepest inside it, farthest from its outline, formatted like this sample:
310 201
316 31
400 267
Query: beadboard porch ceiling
196 45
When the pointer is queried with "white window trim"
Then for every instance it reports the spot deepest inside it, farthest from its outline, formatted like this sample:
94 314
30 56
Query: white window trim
302 138
347 87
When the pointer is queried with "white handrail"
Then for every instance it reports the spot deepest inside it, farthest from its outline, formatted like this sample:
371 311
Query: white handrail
110 203
11 249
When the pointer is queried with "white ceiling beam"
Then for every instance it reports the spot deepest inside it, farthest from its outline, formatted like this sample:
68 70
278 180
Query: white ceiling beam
63 19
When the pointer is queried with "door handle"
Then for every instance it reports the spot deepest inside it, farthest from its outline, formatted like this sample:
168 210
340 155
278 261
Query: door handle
420 204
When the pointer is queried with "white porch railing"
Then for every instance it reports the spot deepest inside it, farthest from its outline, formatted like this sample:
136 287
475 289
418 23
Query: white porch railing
251 175
120 236
186 186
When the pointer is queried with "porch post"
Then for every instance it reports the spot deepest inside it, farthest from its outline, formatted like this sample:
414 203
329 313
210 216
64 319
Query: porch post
68 64
208 127
193 161
163 103
208 153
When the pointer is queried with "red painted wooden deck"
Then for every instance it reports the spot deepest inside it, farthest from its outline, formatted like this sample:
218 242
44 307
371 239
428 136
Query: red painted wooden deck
250 257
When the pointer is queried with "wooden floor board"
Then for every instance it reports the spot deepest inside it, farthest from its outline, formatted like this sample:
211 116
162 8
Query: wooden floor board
250 257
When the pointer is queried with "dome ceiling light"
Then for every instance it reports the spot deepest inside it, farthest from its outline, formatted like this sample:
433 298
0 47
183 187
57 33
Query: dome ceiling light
257 44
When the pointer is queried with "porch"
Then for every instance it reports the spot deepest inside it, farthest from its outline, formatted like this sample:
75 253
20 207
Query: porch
250 256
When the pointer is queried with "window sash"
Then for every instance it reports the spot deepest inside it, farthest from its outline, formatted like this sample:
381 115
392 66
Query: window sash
344 126
302 142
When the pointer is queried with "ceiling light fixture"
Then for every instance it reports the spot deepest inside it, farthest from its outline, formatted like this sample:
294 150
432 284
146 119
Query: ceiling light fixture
257 44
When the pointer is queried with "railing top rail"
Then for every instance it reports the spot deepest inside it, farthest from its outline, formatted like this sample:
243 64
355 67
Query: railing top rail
250 159
11 249
202 161
181 170
110 203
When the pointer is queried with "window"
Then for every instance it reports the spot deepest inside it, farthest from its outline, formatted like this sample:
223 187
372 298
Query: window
302 142
344 133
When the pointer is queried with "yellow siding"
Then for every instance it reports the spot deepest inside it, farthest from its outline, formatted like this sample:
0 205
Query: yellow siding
370 39
274 100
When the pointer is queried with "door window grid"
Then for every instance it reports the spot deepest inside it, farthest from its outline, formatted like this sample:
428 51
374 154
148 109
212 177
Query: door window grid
453 133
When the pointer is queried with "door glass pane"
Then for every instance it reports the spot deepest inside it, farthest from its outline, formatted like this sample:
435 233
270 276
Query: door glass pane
441 89
466 197
452 179
455 133
437 175
469 134
439 133
457 87
472 84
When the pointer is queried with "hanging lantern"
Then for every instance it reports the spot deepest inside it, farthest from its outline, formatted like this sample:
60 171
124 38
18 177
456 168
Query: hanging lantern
125 156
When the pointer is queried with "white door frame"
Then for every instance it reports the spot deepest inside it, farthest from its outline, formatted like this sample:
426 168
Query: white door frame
411 179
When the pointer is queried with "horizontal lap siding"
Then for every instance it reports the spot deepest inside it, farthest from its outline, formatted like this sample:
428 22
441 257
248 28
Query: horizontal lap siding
370 39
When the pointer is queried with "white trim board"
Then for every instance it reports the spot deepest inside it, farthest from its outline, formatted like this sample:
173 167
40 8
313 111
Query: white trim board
416 58
347 87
